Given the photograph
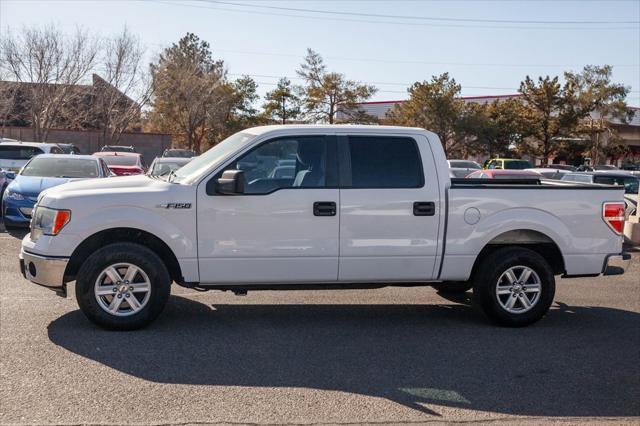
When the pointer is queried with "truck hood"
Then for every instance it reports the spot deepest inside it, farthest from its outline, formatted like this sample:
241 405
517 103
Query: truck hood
114 190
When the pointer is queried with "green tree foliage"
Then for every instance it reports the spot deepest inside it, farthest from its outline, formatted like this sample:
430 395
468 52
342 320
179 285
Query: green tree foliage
324 94
549 113
501 128
193 99
188 84
282 103
436 105
596 100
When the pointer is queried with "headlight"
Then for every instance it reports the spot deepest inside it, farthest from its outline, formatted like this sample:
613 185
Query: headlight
48 221
14 195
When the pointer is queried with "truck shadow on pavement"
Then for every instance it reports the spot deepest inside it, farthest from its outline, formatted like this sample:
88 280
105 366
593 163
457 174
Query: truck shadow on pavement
575 362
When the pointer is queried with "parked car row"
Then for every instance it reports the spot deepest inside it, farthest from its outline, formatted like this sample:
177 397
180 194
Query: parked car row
28 168
510 169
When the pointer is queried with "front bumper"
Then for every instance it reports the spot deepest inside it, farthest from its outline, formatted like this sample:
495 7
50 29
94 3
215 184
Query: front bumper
44 271
18 212
616 264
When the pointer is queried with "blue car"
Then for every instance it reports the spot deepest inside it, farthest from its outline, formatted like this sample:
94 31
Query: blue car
42 172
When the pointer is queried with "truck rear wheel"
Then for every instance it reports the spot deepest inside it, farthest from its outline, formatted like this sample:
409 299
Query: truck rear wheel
514 286
123 286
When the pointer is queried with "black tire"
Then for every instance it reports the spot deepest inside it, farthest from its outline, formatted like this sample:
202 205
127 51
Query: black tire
4 187
454 287
135 254
490 272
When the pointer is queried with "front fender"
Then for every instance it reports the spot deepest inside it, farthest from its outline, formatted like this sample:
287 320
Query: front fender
175 227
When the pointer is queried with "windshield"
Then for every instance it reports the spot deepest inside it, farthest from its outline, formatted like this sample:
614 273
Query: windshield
18 152
182 153
121 160
61 167
199 165
517 164
630 183
164 167
116 148
463 164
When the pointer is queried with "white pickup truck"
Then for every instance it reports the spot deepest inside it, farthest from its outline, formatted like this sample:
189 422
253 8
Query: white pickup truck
319 207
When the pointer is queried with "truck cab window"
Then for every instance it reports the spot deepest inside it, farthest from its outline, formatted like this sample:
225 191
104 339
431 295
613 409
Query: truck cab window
385 162
284 163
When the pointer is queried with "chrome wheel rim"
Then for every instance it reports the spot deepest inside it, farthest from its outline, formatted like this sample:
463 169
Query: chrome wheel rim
518 289
122 289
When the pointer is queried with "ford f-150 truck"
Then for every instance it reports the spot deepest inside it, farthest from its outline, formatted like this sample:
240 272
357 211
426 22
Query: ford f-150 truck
320 207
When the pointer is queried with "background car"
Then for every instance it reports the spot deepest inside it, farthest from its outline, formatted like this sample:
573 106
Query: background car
630 182
565 167
504 174
122 163
550 173
42 172
604 167
164 165
461 168
69 148
182 153
117 148
508 164
14 155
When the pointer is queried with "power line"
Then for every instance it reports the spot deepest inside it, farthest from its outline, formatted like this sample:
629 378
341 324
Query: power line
425 18
404 23
415 62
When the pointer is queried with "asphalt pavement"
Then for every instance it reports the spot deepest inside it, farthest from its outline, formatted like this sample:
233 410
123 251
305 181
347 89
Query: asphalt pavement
393 355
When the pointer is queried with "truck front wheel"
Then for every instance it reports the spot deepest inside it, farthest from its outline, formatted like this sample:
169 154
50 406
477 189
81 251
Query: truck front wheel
514 286
123 286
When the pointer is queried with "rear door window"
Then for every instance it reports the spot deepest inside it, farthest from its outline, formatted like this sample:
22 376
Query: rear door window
384 162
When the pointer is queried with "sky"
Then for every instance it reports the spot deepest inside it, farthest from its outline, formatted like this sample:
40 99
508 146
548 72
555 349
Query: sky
487 46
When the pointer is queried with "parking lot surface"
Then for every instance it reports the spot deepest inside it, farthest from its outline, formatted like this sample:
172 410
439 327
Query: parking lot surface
394 355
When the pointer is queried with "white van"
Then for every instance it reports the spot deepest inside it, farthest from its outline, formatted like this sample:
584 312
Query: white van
14 155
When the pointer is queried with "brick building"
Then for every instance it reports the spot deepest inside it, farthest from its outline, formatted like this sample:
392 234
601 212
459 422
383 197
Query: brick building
89 116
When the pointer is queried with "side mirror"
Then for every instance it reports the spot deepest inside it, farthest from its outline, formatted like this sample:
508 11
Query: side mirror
231 182
10 175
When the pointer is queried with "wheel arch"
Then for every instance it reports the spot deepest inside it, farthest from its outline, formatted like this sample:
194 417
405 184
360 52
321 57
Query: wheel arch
116 235
533 240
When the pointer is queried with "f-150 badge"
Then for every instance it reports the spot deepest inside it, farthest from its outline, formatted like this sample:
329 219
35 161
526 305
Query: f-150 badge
174 206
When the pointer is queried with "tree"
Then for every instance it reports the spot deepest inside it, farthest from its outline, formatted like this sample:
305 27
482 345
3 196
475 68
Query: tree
189 88
502 128
124 89
282 103
238 111
436 105
51 64
325 94
596 100
549 113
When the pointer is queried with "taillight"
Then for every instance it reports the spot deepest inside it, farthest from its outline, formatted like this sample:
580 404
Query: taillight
613 215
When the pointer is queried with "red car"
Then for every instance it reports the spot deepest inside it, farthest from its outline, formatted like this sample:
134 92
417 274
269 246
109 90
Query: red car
122 163
504 174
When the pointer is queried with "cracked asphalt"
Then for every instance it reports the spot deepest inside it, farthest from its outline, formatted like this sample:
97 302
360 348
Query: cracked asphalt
394 355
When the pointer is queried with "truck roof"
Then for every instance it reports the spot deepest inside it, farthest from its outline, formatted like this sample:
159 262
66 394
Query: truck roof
333 127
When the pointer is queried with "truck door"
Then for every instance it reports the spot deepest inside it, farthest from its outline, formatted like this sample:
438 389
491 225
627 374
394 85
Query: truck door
389 202
284 227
